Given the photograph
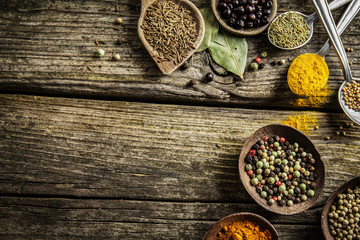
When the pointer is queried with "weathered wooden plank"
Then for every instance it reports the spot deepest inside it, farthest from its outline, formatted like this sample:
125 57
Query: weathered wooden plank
46 47
88 148
99 219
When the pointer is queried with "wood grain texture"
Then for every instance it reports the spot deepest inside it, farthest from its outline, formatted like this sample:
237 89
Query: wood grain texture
72 168
47 48
59 218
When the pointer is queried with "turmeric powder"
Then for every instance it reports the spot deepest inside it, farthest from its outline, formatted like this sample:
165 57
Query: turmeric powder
307 74
316 100
303 122
245 230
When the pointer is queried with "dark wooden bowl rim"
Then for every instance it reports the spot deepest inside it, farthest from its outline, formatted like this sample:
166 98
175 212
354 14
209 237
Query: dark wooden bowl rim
292 135
242 216
324 215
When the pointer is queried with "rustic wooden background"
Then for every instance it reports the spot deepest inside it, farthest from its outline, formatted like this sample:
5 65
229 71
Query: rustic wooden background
99 149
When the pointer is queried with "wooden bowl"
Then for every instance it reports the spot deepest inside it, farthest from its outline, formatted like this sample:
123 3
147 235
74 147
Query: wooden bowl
242 32
292 135
167 67
238 217
324 215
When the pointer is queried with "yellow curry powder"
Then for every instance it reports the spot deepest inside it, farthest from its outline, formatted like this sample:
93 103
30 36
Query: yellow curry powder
307 74
245 230
313 101
303 122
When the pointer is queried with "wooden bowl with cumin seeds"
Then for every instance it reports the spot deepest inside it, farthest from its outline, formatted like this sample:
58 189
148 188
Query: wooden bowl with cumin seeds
167 66
245 32
291 135
240 217
324 215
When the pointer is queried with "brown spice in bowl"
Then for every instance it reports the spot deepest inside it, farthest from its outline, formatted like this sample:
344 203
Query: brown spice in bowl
170 30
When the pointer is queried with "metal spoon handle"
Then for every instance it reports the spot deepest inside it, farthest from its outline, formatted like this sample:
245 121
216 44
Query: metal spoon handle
325 16
333 5
349 14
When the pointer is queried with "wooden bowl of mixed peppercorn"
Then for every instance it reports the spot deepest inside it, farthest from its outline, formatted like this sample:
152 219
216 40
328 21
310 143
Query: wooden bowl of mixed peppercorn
340 217
244 17
243 225
281 169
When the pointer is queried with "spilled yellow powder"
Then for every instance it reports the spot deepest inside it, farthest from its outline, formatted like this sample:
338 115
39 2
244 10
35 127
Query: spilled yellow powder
302 122
314 101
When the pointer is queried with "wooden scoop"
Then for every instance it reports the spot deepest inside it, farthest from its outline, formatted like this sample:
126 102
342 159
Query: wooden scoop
167 67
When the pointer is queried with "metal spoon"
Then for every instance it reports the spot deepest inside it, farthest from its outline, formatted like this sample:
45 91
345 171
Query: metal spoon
349 14
309 20
326 17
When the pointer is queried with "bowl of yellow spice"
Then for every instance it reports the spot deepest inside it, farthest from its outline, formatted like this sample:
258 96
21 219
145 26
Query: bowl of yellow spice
240 226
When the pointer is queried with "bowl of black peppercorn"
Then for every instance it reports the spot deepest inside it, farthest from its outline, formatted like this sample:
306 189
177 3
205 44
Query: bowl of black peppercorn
244 17
281 169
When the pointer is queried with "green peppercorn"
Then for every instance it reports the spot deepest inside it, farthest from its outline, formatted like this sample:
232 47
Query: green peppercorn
302 186
271 180
282 188
303 197
297 167
259 176
263 194
271 201
276 144
266 165
254 66
310 193
100 53
296 174
254 181
259 164
248 167
289 203
274 153
291 191
263 54
296 145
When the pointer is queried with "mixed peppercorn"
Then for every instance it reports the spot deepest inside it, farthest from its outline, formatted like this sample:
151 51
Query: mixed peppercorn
344 215
241 14
280 171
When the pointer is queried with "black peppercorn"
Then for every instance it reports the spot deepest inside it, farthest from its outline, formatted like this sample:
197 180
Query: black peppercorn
312 185
249 9
236 3
249 24
268 4
222 6
231 21
226 13
209 77
252 16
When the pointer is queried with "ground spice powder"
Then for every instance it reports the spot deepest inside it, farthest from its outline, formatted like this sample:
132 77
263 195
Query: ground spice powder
303 122
314 101
307 74
245 230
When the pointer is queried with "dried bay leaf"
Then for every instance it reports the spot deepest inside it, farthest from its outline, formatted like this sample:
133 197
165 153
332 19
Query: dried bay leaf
211 29
230 52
